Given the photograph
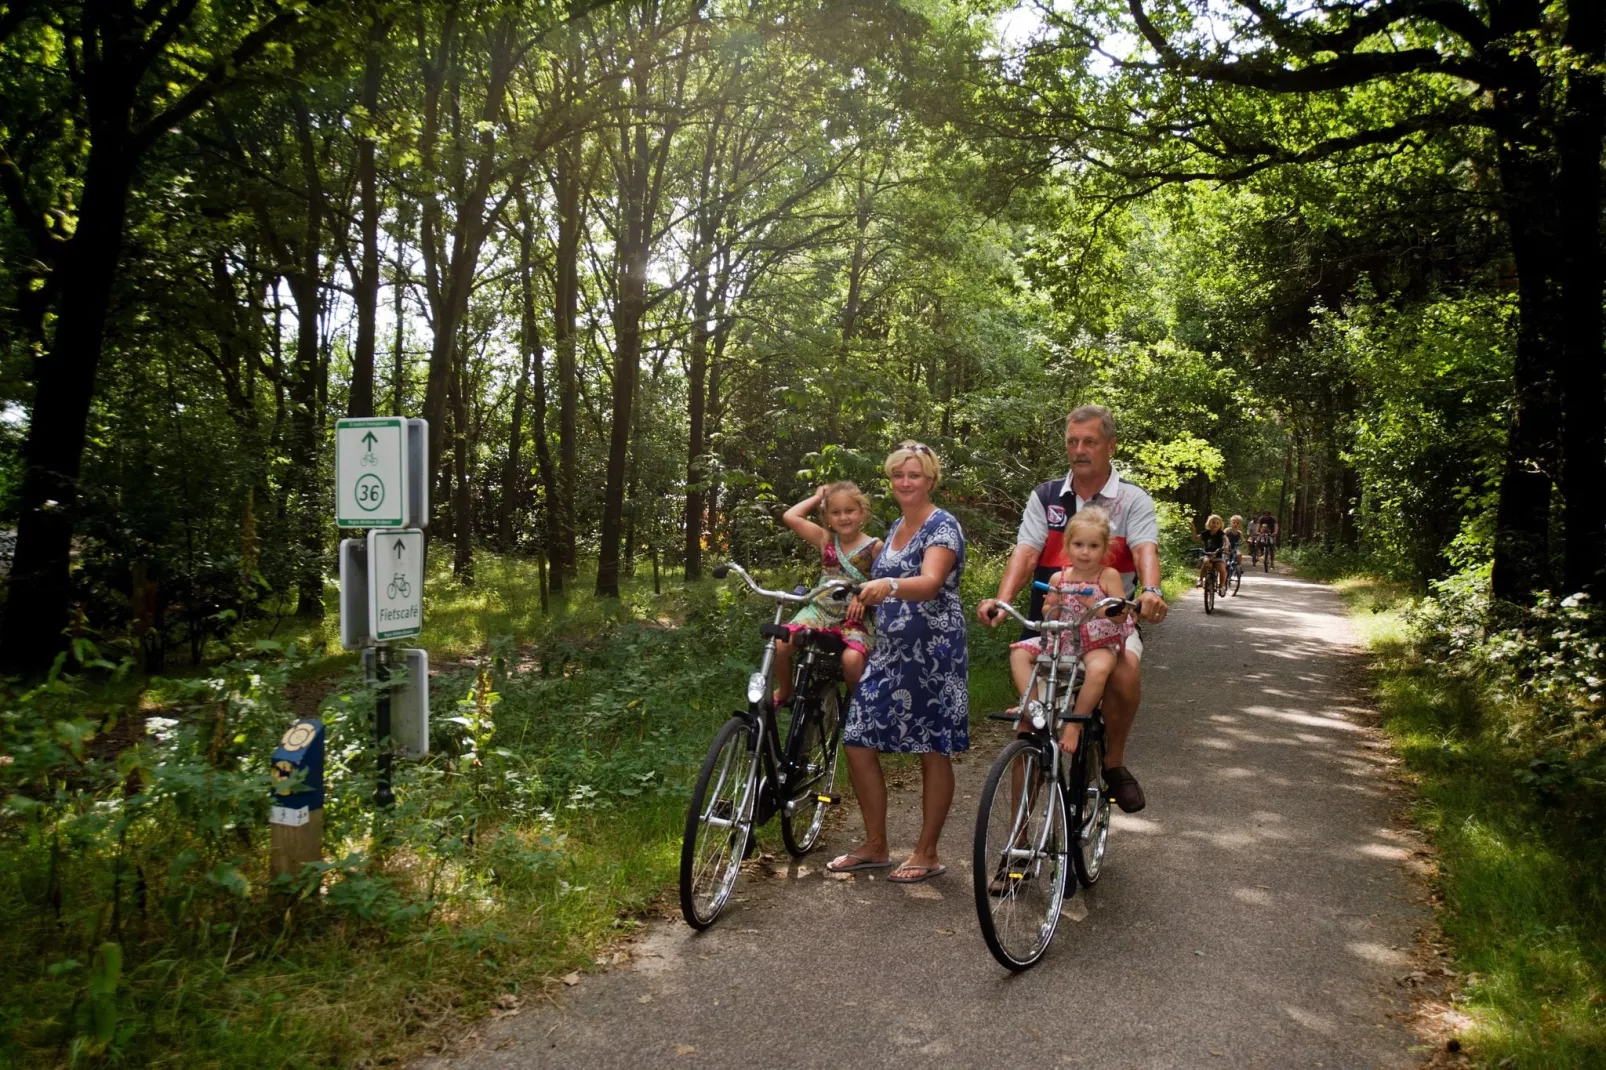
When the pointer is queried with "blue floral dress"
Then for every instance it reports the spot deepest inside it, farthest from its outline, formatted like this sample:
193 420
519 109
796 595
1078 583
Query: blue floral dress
914 694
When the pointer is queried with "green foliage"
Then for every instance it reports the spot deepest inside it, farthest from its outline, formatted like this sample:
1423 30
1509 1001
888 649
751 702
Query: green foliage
1478 713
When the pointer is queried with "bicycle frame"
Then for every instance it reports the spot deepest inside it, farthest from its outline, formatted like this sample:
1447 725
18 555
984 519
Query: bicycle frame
1057 713
772 766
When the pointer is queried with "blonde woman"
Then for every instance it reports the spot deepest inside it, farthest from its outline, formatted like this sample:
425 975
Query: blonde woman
913 697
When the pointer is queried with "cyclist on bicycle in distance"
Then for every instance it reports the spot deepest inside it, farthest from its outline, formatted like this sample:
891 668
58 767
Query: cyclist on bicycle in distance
1214 541
1235 540
1134 552
1265 529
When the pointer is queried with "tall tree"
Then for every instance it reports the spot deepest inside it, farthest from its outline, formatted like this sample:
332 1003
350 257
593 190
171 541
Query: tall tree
121 77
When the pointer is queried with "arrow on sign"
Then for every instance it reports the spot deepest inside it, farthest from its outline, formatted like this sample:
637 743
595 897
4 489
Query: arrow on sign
400 548
368 440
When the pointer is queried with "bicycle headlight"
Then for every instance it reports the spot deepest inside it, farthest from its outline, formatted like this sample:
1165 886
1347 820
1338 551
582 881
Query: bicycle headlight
755 687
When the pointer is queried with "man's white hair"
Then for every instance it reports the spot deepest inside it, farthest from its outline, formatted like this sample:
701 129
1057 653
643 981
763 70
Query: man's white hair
1087 413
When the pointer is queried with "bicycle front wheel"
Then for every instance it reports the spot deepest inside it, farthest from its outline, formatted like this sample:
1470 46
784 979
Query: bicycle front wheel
811 751
1021 856
1210 591
1237 577
718 824
1265 558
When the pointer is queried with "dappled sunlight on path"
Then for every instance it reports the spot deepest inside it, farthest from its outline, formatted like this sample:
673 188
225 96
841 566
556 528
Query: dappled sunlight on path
1254 915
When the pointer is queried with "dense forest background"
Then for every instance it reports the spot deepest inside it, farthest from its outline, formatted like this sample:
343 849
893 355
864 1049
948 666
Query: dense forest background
652 270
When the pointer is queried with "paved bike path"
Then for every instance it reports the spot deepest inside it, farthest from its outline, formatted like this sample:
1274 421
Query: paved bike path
1256 914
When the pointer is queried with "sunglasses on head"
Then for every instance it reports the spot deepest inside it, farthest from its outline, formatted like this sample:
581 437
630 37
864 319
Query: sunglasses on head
915 447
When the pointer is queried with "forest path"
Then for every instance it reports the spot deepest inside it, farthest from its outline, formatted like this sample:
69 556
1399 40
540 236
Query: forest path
1256 914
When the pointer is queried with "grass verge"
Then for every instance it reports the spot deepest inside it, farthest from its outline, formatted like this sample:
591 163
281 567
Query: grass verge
545 825
1521 883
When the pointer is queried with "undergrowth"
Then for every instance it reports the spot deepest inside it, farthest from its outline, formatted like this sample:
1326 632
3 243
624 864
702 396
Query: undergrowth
138 923
1497 720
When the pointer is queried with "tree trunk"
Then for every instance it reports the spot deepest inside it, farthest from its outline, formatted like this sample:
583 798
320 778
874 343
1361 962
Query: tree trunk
513 480
564 554
530 340
361 401
462 498
1583 392
39 587
1522 520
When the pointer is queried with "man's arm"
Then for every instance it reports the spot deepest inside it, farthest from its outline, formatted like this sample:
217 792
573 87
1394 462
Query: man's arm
1146 557
1017 574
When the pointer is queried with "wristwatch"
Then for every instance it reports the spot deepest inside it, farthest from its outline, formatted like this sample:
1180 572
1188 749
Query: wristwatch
893 580
1153 590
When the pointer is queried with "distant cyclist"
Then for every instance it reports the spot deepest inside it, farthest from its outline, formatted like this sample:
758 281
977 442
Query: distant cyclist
1235 539
1265 534
1214 541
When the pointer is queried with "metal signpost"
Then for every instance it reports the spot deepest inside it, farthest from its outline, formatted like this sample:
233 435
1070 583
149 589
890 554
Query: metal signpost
381 484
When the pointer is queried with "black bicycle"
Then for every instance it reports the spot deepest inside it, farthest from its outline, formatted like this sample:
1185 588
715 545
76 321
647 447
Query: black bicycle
749 776
1024 849
1265 547
1208 561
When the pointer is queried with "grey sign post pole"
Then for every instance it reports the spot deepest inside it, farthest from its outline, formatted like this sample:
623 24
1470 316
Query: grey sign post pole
381 485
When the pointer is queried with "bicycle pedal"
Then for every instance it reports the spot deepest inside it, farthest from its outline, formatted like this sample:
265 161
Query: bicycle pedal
829 798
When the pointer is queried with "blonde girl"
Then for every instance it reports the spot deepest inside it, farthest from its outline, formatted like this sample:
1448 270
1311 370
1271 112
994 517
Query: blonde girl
846 553
1087 541
1213 540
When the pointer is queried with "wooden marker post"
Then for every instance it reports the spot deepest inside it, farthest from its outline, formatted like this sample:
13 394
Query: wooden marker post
296 819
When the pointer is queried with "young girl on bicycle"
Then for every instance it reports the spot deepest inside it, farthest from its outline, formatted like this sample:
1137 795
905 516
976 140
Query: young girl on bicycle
1214 540
1087 540
846 554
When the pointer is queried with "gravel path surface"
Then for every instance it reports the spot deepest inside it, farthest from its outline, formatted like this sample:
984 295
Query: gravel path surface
1256 914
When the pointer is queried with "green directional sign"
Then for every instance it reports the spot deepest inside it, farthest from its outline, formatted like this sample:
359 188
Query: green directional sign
371 460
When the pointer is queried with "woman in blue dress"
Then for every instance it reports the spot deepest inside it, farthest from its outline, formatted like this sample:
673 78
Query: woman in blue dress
913 697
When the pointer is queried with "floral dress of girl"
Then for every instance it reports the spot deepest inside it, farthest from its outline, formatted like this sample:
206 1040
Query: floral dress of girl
914 696
830 614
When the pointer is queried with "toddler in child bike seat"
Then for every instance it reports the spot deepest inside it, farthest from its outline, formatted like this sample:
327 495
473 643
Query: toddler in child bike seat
846 553
1100 639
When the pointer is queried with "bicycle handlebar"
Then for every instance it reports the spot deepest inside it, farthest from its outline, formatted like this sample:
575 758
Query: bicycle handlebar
719 572
1110 607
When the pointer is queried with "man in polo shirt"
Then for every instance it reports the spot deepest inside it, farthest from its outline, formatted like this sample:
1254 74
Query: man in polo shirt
1134 553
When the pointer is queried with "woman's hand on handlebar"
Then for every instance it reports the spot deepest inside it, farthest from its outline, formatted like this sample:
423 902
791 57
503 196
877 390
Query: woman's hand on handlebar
869 594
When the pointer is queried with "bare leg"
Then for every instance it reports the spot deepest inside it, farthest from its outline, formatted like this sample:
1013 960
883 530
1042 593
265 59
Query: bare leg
936 797
783 672
870 787
1122 693
852 667
1096 668
1020 668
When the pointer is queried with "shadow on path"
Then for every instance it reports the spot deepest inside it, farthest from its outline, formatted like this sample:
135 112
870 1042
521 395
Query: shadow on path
1256 913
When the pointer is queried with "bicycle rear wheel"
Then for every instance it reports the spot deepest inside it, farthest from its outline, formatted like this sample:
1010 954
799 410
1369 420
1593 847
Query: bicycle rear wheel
1021 856
811 751
718 823
1092 816
1210 591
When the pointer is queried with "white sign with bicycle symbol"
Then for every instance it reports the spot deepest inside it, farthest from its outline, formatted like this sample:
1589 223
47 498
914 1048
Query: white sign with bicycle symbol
371 472
395 583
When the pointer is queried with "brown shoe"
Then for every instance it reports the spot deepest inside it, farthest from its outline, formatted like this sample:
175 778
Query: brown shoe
1124 789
